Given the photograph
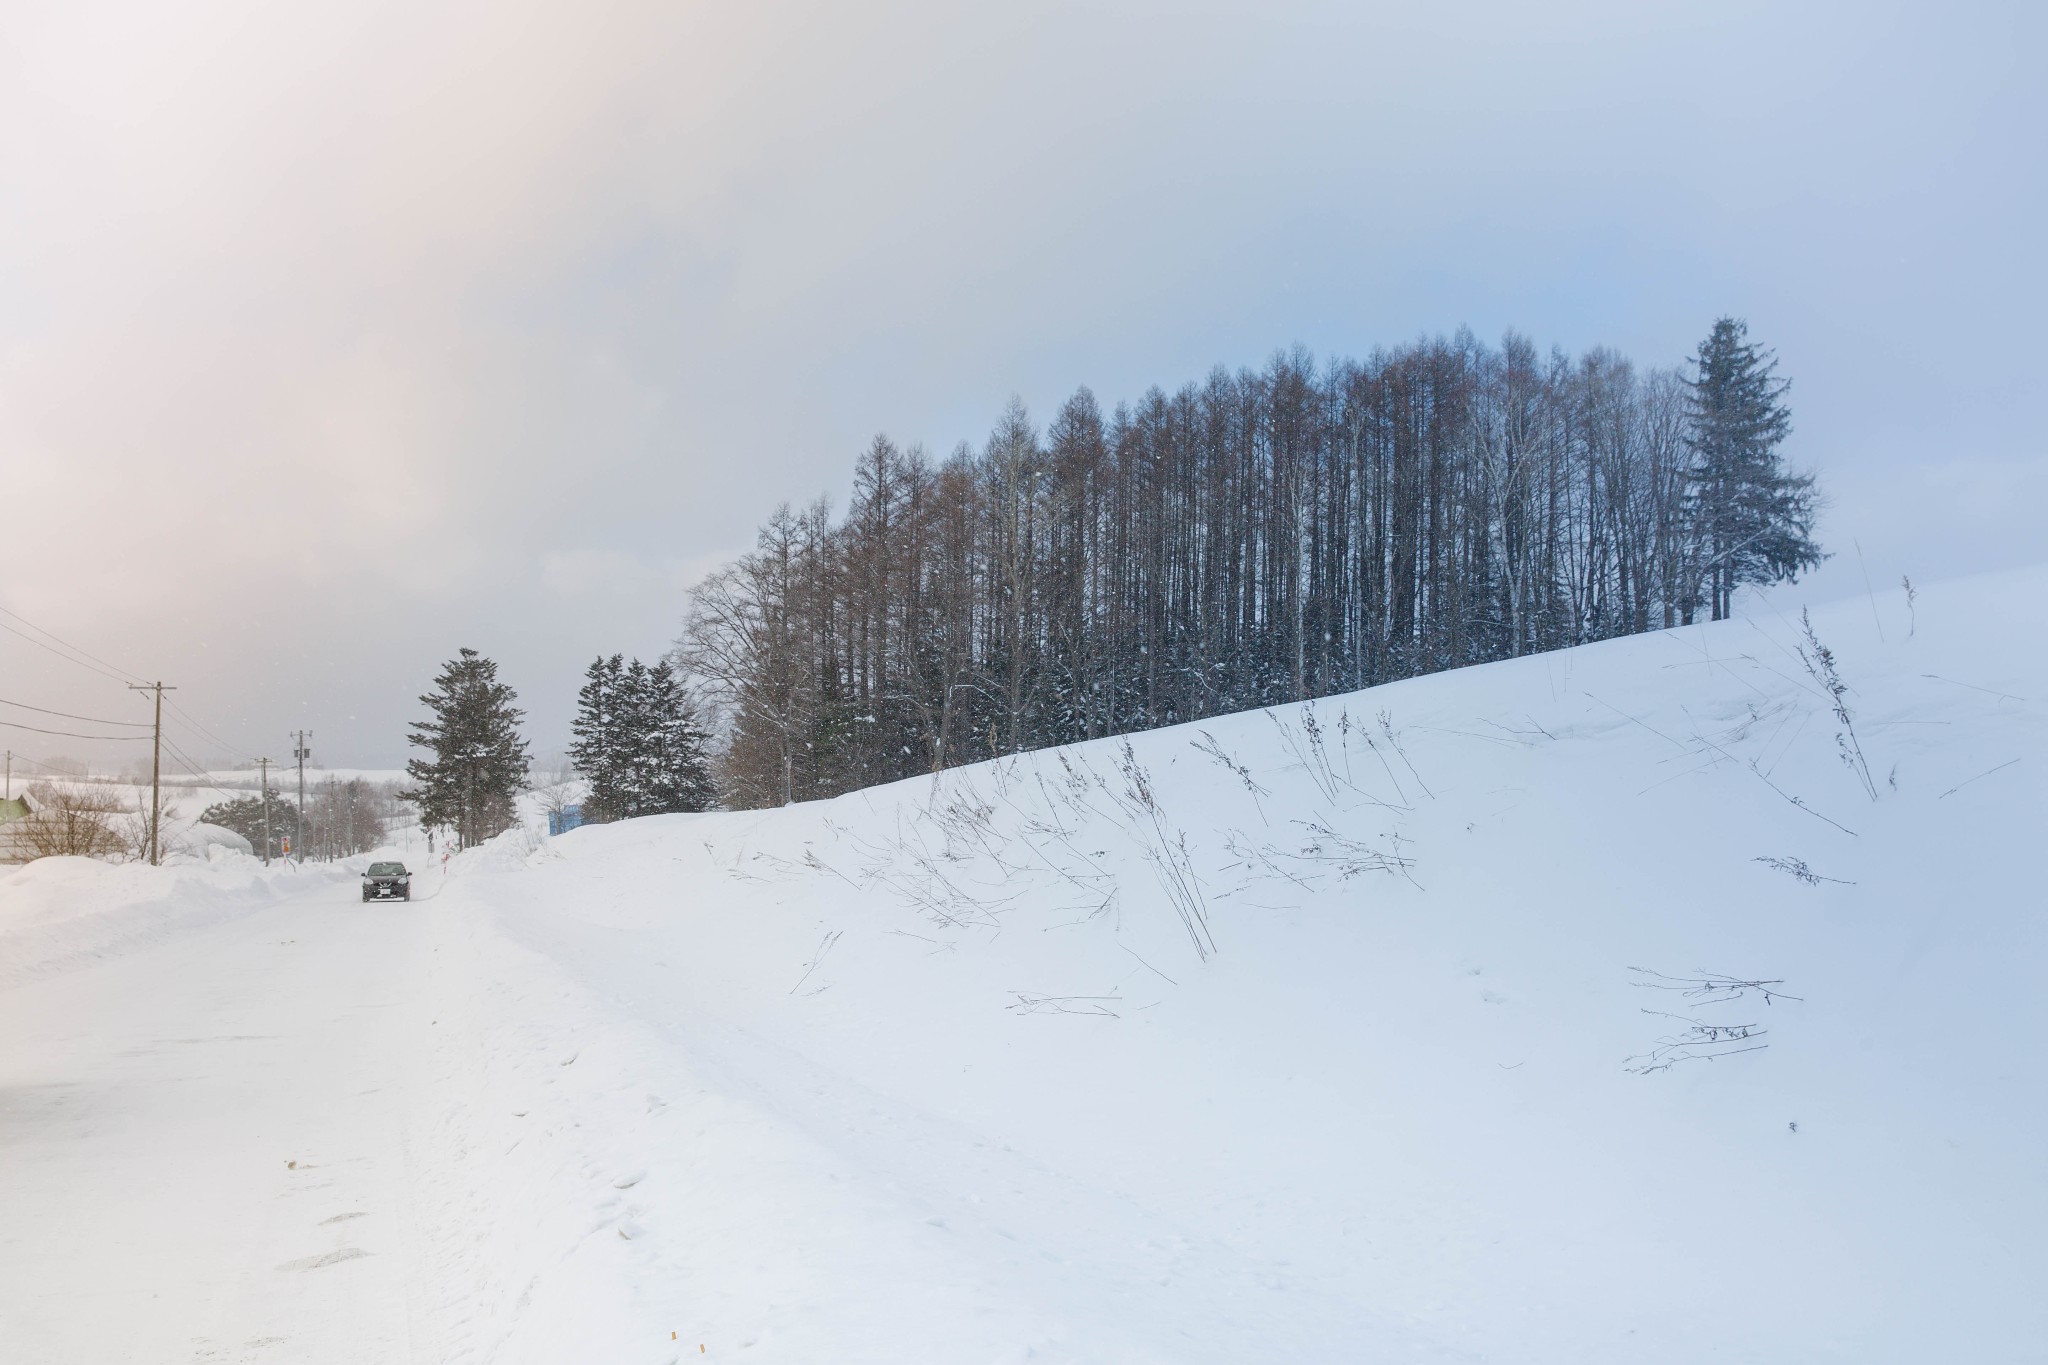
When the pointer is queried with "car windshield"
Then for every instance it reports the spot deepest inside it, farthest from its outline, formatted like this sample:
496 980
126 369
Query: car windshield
387 869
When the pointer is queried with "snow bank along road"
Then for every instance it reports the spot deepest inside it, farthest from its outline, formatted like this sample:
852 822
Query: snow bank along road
209 1145
1615 1006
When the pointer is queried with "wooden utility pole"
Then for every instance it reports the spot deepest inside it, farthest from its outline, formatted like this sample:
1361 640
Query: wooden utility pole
156 771
263 786
301 753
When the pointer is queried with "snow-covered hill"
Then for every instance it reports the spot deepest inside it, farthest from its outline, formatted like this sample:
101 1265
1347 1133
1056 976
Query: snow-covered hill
1617 1005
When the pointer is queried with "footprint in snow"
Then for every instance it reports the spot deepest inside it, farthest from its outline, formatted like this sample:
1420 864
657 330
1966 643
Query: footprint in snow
343 1217
568 1060
629 1180
326 1258
655 1104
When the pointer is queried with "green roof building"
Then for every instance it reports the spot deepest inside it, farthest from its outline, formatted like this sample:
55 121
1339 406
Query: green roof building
13 809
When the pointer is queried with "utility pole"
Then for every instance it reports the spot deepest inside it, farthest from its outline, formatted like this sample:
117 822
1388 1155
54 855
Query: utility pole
156 771
10 777
301 753
263 786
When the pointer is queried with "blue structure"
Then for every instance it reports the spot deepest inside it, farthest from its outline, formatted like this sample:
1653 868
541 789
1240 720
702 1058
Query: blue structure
564 820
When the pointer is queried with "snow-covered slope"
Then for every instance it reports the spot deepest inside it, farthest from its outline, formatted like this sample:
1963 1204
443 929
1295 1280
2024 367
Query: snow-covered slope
1378 1030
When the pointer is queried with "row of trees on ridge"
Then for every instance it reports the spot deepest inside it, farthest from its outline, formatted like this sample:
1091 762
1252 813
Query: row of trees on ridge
1259 538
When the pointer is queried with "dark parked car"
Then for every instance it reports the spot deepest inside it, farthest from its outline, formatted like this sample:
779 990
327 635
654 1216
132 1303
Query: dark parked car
387 882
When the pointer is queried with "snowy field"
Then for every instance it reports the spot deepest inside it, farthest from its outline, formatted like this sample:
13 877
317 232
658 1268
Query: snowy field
1621 1005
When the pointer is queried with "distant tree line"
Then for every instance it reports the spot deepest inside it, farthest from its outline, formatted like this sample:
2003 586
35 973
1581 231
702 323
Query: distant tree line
344 816
1259 538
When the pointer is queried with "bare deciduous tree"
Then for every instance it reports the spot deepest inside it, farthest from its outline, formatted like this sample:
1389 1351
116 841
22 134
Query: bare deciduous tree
1260 538
73 820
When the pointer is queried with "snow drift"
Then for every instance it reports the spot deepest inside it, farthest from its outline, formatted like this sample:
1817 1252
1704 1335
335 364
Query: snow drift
58 914
1657 1000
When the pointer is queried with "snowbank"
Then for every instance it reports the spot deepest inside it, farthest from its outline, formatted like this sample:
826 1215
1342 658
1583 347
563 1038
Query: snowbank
201 840
1615 1005
60 913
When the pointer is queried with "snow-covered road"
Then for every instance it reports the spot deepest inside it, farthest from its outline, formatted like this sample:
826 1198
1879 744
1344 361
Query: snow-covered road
207 1146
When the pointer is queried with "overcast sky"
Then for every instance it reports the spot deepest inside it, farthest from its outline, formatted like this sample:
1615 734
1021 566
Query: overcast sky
336 336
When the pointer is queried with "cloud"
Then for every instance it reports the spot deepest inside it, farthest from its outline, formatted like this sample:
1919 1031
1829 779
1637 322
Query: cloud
491 320
572 574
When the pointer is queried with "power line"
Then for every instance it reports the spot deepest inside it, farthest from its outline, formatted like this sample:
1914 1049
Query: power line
194 770
54 771
125 675
102 720
105 670
201 777
203 731
67 734
90 668
93 720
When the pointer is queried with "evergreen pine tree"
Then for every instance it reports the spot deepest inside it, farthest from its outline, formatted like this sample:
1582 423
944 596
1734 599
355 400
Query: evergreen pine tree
1753 520
244 815
479 760
679 778
637 756
638 742
601 740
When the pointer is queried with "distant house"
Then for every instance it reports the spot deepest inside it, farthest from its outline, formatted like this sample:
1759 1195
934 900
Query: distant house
13 810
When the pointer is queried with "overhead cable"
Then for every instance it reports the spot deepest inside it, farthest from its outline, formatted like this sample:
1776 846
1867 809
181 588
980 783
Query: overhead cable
67 734
92 720
206 733
116 669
